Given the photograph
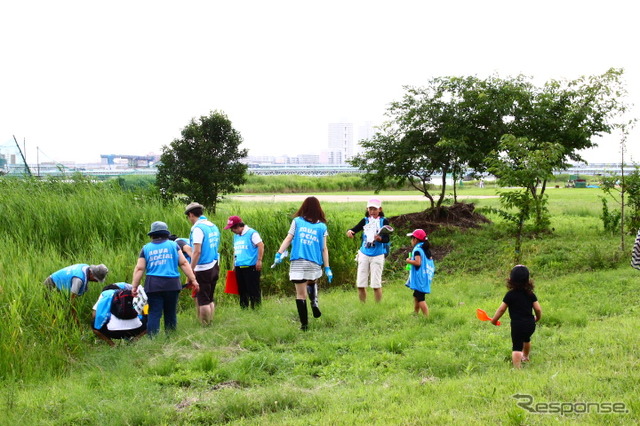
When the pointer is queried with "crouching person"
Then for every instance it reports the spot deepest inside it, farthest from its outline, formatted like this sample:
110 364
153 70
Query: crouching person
118 315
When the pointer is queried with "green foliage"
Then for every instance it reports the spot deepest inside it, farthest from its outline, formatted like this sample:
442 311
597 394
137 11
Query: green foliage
619 188
520 162
309 184
205 163
136 183
454 123
610 219
442 128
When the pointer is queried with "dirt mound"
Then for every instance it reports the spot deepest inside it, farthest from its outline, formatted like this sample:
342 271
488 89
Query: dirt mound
460 215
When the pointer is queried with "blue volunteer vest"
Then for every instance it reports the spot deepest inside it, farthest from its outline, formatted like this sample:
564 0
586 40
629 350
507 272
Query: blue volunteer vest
63 277
103 308
378 247
244 251
308 242
162 259
186 256
420 277
209 249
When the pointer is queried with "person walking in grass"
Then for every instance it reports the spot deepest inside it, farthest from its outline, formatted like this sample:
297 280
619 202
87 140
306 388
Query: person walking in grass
372 251
421 270
308 237
248 250
204 241
74 281
159 261
521 302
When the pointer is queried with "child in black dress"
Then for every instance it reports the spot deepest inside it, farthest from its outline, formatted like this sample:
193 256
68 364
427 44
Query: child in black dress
521 301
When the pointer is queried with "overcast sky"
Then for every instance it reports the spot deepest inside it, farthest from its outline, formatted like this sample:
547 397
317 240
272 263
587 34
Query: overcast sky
84 78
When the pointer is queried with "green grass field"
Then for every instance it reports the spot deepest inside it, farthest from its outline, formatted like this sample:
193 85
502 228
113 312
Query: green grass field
358 364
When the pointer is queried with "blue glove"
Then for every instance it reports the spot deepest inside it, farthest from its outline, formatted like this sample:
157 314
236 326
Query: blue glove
278 259
328 273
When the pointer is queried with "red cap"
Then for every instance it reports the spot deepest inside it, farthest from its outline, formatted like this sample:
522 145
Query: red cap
233 221
419 234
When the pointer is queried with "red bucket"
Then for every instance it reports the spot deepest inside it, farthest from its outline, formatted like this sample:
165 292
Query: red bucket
231 285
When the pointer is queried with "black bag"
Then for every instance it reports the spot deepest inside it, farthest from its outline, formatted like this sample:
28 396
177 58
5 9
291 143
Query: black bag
122 305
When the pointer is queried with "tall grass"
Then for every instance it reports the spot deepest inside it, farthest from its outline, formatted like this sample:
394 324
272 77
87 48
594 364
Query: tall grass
297 184
47 225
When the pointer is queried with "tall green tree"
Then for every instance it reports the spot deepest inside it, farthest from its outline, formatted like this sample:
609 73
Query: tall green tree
205 163
526 164
452 124
571 113
446 127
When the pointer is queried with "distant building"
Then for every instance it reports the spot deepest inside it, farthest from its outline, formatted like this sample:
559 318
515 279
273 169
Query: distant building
309 159
340 142
365 131
283 159
259 159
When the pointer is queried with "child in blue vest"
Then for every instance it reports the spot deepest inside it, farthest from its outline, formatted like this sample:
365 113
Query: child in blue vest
421 270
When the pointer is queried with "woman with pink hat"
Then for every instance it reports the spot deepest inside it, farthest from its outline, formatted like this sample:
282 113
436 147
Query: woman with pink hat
374 248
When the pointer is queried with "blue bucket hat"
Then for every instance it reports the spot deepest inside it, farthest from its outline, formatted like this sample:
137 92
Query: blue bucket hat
159 228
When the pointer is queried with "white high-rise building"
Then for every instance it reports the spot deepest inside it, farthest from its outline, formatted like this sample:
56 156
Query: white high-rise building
365 131
341 141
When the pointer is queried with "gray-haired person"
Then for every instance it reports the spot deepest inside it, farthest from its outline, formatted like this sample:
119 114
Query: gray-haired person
74 280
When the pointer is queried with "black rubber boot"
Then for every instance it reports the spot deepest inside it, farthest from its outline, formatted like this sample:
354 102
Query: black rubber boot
312 290
304 315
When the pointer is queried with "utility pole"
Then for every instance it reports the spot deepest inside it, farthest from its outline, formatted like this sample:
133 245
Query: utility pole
26 166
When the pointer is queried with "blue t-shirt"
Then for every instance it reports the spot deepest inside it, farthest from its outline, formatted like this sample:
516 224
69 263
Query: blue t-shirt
64 277
378 247
244 251
181 243
420 277
210 243
162 272
162 258
103 306
308 241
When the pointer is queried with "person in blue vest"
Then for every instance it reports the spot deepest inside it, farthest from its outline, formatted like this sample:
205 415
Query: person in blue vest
159 261
204 240
248 250
74 280
308 238
421 270
372 251
108 326
183 243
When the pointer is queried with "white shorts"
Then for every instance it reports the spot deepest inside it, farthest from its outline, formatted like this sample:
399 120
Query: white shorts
369 266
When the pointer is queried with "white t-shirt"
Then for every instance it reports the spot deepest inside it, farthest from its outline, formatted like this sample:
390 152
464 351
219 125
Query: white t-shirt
116 323
255 238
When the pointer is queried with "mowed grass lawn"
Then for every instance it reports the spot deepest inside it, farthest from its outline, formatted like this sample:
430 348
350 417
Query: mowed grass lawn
379 363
